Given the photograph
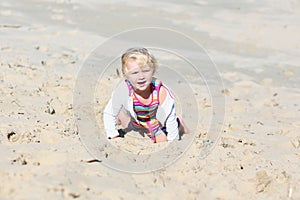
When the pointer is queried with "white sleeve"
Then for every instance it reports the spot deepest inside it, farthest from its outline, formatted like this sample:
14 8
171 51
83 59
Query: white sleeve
109 120
113 108
167 115
172 125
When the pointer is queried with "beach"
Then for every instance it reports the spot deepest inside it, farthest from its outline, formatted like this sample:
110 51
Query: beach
233 66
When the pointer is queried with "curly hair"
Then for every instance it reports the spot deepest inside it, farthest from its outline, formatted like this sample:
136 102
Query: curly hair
141 56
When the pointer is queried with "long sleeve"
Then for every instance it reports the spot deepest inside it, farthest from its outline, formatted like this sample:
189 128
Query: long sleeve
172 126
109 119
166 114
119 99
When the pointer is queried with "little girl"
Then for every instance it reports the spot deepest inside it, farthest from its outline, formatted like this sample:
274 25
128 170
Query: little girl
141 102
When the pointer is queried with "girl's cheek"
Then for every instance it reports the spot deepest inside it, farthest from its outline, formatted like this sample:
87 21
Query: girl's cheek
149 75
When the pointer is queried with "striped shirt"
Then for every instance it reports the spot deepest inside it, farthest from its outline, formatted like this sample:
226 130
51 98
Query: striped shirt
146 114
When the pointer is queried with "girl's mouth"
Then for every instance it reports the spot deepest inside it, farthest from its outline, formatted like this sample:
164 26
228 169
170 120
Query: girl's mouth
141 83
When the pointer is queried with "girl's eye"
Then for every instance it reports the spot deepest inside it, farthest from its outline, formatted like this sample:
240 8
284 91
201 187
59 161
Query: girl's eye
134 73
146 70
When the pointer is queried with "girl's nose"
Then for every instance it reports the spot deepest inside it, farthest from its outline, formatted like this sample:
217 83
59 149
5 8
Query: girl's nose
141 75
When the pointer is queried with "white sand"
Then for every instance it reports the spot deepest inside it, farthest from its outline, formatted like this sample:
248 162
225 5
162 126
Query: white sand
256 47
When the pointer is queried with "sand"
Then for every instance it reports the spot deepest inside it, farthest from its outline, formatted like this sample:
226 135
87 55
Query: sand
244 142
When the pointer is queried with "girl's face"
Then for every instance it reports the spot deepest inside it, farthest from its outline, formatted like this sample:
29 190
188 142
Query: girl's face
140 77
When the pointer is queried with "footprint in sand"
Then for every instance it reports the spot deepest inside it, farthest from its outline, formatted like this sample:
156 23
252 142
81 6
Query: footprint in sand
263 181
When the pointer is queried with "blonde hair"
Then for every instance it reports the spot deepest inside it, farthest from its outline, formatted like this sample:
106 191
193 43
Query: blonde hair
141 56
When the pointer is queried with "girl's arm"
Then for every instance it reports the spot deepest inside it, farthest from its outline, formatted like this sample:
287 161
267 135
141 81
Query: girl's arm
167 113
113 108
109 119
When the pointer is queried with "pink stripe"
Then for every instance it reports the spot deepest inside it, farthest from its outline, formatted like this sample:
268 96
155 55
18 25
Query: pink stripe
130 89
169 92
157 89
141 102
151 130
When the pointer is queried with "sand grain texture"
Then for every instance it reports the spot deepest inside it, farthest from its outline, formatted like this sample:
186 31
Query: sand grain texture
256 47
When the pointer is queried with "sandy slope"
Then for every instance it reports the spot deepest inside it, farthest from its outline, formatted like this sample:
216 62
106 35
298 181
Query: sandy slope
255 45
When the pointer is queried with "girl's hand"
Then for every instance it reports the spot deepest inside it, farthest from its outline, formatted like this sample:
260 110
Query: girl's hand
160 138
121 134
